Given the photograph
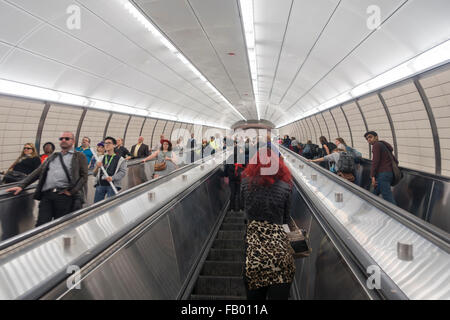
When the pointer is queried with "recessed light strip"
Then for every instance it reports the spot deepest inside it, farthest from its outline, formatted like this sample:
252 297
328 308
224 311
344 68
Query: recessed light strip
427 60
249 30
17 89
135 12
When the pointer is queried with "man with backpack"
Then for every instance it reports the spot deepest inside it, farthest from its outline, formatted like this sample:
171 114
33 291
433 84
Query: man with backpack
384 171
344 163
311 150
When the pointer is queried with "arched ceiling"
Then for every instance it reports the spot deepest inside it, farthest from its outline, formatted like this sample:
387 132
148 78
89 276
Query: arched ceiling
307 53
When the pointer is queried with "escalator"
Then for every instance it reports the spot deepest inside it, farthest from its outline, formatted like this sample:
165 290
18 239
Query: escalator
221 276
18 214
175 240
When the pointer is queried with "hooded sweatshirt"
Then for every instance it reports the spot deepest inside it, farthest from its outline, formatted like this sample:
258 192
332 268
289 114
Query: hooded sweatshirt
381 162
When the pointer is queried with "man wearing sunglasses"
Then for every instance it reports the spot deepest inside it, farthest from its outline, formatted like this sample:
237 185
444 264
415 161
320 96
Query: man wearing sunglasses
61 181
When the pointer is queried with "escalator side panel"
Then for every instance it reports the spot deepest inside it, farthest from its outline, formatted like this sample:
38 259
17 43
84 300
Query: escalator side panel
324 274
413 194
144 269
17 214
439 209
156 264
188 222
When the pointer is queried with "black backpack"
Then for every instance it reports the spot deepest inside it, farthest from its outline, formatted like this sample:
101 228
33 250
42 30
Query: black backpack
315 150
346 163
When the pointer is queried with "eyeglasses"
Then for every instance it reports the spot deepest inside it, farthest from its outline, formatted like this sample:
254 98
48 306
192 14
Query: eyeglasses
107 143
27 148
64 138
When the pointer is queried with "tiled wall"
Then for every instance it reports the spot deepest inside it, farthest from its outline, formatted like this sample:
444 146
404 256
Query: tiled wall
412 127
411 123
344 131
117 125
94 126
146 132
158 131
437 89
133 131
358 128
376 117
59 119
19 121
331 126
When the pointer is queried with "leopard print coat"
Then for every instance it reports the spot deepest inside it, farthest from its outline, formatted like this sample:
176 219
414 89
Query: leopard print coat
269 257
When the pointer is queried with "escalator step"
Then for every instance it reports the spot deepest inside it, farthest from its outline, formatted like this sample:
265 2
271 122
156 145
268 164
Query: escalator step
235 214
234 220
222 268
228 244
226 255
217 285
213 297
232 227
231 235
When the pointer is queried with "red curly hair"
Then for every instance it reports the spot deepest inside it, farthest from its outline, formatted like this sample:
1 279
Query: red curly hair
265 158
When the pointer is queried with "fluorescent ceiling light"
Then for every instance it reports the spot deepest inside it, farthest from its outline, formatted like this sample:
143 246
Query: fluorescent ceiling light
429 59
18 89
249 30
166 42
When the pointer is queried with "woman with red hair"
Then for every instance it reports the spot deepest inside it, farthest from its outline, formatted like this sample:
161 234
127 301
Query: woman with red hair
266 191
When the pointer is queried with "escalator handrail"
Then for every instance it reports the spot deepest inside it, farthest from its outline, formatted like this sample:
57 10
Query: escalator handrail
101 248
430 232
7 244
351 251
6 195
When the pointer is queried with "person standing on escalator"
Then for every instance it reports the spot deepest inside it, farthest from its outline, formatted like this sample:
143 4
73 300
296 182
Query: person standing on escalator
267 192
233 170
116 168
61 180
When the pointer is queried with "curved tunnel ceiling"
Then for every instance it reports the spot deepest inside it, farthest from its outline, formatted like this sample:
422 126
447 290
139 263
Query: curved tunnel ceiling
307 53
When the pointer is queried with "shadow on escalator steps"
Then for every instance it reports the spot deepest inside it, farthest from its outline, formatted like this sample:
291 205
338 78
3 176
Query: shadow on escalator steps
221 277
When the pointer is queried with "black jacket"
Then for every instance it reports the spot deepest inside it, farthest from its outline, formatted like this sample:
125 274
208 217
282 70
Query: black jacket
142 152
267 203
122 151
28 165
79 174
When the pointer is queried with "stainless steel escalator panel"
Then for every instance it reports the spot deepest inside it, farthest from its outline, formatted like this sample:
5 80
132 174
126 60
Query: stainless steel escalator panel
133 274
425 277
38 261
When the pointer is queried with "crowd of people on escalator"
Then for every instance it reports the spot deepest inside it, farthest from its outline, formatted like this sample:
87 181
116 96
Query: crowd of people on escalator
263 193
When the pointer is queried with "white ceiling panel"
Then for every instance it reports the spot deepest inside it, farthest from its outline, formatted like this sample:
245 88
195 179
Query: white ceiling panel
22 22
22 66
271 19
206 31
349 19
4 50
43 40
100 60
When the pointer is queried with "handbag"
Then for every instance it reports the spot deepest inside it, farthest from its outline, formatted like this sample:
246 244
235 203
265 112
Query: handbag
13 176
299 241
398 174
160 166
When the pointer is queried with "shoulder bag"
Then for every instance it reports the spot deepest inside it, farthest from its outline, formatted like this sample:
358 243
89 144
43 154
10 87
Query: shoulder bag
299 241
